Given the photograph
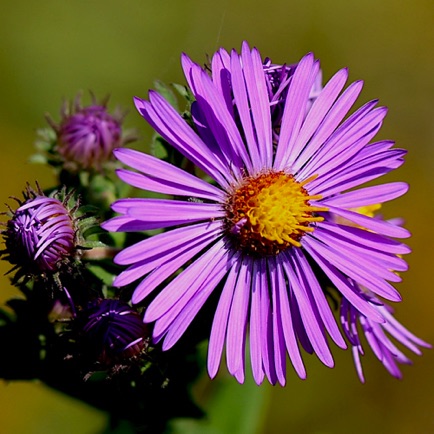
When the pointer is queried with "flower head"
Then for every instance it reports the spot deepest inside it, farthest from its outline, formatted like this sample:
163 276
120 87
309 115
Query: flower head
269 218
86 136
111 331
40 234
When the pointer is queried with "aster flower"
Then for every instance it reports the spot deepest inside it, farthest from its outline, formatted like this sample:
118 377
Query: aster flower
41 233
86 136
279 182
111 331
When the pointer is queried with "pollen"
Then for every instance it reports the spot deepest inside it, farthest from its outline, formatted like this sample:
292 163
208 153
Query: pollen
270 213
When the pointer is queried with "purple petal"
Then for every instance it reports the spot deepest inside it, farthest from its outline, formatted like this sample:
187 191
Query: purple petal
288 326
164 271
380 226
124 224
359 249
309 319
164 243
328 126
219 120
346 142
347 288
317 117
357 172
267 349
399 332
185 284
168 212
294 111
236 330
219 325
220 66
170 125
259 102
368 196
161 175
318 297
242 104
364 237
176 327
256 332
356 268
278 338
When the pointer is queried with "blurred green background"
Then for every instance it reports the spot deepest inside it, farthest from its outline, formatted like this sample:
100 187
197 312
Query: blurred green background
51 49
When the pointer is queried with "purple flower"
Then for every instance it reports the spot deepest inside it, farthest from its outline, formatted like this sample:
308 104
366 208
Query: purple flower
378 337
40 235
86 136
111 331
256 232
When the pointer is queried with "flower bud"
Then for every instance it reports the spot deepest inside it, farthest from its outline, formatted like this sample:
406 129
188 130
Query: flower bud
87 136
40 234
111 331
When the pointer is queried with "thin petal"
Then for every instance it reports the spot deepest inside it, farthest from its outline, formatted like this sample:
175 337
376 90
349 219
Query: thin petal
164 243
295 109
347 141
278 338
176 328
259 102
358 171
236 330
219 119
357 269
288 326
170 125
316 116
359 249
168 212
242 104
185 284
124 224
380 226
256 332
221 72
368 195
367 238
307 312
319 298
220 322
331 121
166 175
165 270
347 288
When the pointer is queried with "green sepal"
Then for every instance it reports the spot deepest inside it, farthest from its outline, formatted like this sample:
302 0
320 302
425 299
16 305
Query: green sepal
167 93
105 276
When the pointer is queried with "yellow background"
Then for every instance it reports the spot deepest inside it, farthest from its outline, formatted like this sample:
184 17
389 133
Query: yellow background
51 49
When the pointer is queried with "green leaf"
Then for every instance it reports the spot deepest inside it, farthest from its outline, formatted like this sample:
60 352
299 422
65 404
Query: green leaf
184 91
167 93
37 159
102 274
158 148
91 244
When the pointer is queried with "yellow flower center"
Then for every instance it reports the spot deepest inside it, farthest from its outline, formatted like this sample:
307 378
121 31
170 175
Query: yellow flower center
270 213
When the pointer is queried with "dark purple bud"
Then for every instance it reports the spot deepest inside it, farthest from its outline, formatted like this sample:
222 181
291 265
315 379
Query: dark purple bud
111 331
40 235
